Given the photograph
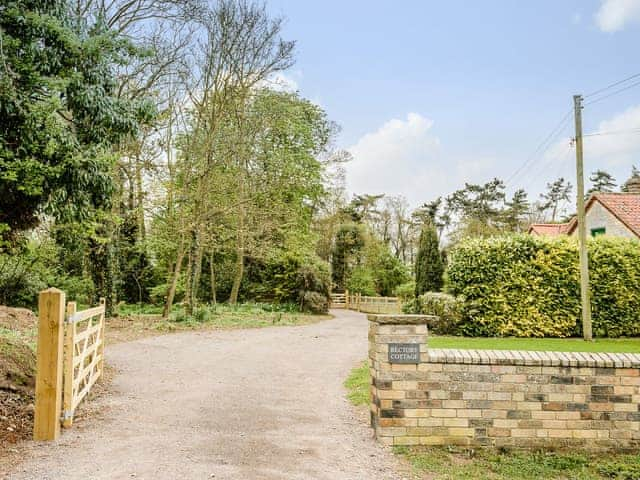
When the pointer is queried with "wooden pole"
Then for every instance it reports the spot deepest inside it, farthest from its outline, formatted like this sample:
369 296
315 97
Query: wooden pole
103 319
67 391
48 403
582 229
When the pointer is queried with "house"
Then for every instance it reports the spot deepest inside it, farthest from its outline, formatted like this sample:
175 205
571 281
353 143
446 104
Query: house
614 214
548 229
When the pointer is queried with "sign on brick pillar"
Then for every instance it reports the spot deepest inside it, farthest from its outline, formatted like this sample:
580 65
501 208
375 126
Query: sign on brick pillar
396 343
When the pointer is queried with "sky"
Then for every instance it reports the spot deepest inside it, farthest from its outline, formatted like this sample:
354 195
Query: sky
432 94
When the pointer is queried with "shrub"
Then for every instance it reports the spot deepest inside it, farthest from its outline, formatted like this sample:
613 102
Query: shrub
361 281
529 286
288 278
446 307
314 302
405 292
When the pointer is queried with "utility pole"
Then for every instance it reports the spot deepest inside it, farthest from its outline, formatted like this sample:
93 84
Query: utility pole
582 228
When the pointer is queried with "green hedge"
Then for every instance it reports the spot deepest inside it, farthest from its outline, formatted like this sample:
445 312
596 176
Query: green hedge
528 286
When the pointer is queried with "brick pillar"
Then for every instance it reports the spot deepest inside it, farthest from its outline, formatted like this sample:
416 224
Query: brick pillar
394 375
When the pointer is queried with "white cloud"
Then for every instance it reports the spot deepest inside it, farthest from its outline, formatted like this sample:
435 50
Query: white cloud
616 140
283 82
614 15
614 145
405 157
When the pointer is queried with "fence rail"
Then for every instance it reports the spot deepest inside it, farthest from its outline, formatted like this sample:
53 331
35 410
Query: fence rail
366 304
70 360
340 300
84 355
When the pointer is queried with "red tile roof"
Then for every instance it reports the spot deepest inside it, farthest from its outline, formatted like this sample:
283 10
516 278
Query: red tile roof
549 229
624 206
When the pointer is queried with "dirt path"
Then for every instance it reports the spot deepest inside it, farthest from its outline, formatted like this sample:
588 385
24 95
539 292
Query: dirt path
245 404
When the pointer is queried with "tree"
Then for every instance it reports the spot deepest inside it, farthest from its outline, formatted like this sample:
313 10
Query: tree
515 211
480 202
346 253
60 114
601 181
557 192
429 267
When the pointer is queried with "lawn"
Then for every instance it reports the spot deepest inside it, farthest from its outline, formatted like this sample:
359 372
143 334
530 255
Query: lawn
610 345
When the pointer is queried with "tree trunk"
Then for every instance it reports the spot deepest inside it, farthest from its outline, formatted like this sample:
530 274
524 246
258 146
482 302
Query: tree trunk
196 270
142 231
212 272
233 298
171 291
187 287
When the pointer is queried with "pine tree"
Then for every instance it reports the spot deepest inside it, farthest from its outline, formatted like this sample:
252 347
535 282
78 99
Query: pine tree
601 181
429 266
556 193
516 209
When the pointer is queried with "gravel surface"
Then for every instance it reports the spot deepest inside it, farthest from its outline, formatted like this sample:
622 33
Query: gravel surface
246 404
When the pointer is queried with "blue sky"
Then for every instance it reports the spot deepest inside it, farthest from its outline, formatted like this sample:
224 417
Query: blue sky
430 94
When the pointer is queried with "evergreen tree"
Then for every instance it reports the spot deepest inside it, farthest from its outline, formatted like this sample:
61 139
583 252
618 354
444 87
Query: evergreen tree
429 266
60 112
346 253
601 181
517 207
557 192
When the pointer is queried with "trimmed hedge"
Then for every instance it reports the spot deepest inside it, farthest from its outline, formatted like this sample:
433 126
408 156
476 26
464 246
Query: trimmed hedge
528 286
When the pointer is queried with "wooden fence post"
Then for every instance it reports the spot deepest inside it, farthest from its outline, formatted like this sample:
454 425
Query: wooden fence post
51 306
346 299
67 391
103 319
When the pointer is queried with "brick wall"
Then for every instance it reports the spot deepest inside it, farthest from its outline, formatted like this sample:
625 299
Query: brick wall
500 398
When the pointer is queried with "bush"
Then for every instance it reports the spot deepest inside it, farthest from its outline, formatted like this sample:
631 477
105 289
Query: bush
528 286
406 292
446 307
362 282
314 302
288 278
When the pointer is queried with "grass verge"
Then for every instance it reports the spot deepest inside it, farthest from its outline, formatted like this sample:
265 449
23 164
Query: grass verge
456 464
357 384
609 345
249 315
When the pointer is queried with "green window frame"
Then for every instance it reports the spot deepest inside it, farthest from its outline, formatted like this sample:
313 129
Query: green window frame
596 232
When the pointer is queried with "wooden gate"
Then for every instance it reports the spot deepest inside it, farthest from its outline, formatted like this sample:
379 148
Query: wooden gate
70 359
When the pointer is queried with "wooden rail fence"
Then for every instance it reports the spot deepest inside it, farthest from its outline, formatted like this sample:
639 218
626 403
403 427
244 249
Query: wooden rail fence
366 304
70 359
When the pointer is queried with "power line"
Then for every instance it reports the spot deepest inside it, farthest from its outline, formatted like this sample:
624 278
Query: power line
542 146
562 157
615 84
613 132
635 84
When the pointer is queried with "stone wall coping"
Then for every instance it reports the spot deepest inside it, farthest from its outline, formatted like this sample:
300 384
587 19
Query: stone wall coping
532 358
386 319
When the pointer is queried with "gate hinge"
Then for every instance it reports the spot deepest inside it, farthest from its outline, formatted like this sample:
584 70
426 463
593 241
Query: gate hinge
67 415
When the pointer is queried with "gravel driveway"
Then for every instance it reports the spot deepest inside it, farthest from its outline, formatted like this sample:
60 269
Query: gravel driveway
245 404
